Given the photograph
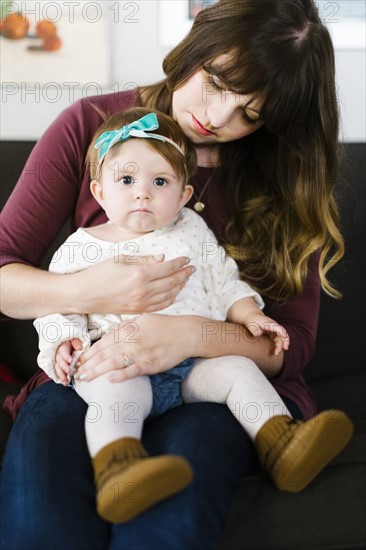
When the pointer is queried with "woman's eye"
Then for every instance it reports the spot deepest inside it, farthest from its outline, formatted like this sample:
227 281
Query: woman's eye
250 120
216 83
160 182
126 180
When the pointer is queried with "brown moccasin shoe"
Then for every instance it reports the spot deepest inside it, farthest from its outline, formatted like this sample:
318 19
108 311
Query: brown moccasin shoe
295 452
129 482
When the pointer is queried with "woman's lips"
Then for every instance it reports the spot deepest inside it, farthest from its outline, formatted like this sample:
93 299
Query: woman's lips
201 129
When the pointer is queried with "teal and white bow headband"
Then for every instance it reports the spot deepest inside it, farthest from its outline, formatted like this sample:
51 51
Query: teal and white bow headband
139 128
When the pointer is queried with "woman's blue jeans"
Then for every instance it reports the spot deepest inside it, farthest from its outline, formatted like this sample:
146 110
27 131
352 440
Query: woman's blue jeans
48 494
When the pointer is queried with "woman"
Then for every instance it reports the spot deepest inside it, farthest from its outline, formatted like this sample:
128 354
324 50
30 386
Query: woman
252 86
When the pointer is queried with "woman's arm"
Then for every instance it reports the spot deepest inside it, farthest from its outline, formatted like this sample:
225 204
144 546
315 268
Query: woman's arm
149 284
159 342
28 292
156 343
218 338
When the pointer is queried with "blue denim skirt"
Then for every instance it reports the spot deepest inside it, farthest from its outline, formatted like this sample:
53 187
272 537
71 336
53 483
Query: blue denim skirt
166 388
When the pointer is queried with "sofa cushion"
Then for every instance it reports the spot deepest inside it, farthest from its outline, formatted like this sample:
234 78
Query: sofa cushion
330 513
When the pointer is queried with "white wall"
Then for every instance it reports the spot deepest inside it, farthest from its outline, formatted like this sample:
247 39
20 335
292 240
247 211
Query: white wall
350 67
136 59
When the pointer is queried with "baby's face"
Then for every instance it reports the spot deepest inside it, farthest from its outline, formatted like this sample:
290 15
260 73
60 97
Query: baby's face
141 191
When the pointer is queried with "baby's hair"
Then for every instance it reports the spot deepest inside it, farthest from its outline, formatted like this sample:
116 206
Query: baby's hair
183 165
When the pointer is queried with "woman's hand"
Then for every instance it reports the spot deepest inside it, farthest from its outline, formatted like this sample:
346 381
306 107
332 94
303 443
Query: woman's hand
145 345
131 284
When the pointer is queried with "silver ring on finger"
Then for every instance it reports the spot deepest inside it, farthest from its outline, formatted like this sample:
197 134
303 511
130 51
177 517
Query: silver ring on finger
127 361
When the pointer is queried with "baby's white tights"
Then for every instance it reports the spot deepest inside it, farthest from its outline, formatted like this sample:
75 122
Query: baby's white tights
237 382
118 409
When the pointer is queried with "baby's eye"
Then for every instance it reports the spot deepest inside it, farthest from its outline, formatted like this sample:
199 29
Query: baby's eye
126 180
160 182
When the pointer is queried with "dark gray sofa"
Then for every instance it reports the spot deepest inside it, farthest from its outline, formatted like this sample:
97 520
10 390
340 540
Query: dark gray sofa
330 514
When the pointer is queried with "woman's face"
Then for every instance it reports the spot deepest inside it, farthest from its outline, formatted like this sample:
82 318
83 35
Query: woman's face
208 113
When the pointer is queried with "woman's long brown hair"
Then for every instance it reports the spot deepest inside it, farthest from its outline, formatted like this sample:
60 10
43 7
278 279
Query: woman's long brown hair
280 180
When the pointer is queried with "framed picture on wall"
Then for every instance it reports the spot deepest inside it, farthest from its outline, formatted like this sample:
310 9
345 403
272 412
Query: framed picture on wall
55 44
195 6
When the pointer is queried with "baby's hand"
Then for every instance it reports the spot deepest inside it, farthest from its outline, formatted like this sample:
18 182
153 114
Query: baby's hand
63 358
259 324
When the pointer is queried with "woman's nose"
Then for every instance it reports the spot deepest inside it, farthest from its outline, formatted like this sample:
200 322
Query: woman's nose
222 109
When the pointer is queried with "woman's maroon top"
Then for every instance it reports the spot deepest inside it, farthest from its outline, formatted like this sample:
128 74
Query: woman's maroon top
55 184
